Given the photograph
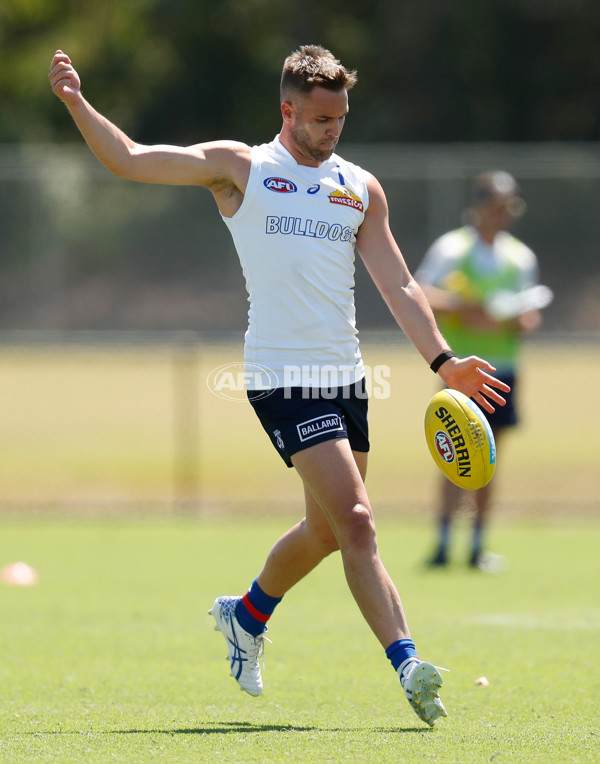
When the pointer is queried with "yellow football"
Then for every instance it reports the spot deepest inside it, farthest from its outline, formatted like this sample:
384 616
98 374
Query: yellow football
460 439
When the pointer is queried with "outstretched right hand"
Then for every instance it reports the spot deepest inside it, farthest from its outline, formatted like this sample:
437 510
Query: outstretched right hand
472 376
64 79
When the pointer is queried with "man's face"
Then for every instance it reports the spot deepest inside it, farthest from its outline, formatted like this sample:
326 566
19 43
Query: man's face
316 122
500 212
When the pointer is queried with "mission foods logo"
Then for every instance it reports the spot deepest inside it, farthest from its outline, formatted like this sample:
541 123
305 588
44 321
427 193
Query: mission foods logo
280 185
347 198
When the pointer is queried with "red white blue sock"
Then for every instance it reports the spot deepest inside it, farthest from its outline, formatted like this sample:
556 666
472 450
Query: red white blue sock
401 651
254 609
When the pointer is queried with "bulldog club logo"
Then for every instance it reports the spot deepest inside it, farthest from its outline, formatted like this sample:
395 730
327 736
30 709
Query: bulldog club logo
347 198
280 185
279 439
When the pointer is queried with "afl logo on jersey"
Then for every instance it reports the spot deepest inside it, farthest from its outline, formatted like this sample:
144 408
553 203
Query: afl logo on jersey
281 185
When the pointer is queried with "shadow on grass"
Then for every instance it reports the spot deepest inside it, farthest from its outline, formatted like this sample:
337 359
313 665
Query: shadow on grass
226 728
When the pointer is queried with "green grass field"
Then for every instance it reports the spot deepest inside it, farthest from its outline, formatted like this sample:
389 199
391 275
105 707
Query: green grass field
111 656
86 426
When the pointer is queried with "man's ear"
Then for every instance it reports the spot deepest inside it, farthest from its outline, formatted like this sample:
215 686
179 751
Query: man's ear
287 112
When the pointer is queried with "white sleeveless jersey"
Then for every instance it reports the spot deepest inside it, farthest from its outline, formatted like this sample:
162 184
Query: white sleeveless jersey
295 234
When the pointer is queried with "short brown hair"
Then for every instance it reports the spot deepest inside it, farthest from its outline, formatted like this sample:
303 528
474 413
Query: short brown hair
311 66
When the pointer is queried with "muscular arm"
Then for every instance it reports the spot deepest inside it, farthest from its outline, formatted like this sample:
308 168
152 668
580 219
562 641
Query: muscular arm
221 166
386 265
409 306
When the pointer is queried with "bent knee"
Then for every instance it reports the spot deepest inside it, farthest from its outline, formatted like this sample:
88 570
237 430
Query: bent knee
358 531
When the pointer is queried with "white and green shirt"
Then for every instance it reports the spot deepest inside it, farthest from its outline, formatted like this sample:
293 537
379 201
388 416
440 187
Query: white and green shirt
461 262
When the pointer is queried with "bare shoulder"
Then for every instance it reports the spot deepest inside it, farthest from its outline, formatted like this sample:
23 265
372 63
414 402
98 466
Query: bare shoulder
229 148
374 237
227 158
377 210
377 199
221 163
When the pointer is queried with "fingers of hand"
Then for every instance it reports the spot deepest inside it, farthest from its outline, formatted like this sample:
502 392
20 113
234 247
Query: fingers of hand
60 56
58 70
480 363
61 76
60 59
62 72
491 393
493 382
59 88
482 401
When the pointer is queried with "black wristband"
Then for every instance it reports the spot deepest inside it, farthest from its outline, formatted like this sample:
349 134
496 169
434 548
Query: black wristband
441 358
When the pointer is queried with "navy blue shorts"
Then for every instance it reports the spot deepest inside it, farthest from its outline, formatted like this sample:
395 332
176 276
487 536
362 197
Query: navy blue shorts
296 418
505 416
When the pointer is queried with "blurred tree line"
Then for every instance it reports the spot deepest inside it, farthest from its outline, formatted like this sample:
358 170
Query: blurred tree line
183 71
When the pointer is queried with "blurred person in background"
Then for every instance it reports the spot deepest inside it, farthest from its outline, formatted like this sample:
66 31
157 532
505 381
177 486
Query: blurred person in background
481 283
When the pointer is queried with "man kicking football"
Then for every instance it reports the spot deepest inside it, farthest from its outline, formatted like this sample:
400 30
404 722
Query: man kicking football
297 213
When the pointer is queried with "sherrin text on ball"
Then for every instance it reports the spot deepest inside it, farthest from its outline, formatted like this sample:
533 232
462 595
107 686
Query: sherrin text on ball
460 439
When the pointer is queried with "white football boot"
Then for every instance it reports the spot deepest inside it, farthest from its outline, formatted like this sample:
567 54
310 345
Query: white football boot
244 650
489 562
421 682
